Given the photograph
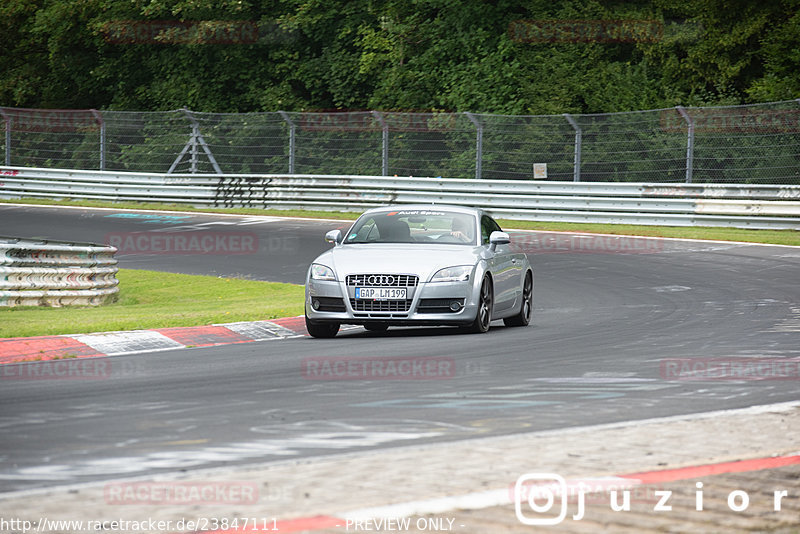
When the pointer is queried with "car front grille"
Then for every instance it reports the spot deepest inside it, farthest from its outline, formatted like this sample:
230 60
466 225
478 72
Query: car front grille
380 305
382 280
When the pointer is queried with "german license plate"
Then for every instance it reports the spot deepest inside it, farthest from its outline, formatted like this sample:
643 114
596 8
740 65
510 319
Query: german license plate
381 293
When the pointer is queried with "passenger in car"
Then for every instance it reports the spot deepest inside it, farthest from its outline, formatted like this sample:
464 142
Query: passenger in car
394 231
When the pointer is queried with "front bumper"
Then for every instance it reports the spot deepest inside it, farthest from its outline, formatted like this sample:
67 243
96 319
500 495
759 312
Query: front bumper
426 304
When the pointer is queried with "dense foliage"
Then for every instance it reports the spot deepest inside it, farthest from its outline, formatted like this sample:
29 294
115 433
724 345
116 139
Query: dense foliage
449 55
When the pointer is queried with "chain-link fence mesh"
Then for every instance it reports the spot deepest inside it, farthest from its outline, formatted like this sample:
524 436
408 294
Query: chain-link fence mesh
734 144
512 144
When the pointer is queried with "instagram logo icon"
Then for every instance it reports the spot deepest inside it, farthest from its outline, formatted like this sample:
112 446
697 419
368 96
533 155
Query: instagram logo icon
539 491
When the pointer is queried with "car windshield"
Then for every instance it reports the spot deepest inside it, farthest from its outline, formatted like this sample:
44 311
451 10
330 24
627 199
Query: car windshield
415 226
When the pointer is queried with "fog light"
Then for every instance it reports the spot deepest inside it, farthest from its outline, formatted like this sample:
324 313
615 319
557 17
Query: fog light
315 304
455 305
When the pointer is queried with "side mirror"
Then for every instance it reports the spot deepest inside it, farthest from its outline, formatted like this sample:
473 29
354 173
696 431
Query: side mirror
334 236
498 238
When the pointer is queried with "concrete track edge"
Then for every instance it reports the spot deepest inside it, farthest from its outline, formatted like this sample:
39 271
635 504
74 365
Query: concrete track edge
322 492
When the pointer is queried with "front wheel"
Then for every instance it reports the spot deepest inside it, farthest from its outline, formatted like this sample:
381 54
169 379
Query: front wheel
523 318
322 330
484 317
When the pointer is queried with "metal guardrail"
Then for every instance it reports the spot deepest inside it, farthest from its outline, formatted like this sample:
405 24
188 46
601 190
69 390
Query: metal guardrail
52 273
732 205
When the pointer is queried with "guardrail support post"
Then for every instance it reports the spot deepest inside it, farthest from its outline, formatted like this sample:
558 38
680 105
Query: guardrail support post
7 122
384 144
100 120
576 164
689 143
292 130
478 144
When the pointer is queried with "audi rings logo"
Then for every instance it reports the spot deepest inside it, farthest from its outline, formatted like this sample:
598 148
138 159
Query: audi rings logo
381 280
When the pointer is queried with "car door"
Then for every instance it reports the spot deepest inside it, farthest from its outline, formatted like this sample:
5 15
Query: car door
503 266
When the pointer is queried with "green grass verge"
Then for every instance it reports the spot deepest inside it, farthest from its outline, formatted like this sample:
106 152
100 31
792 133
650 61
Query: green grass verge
150 299
318 214
780 237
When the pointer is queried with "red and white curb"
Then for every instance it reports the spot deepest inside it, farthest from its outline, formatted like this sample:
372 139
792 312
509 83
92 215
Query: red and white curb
114 343
508 496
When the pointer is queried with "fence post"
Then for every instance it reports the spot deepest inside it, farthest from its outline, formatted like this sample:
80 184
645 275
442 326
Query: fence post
384 144
99 118
689 143
7 122
292 129
195 133
478 145
576 164
197 138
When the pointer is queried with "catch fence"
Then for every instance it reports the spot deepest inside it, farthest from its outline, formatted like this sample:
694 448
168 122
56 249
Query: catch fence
752 144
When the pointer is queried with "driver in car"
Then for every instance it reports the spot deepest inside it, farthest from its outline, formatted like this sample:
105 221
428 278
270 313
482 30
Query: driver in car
460 230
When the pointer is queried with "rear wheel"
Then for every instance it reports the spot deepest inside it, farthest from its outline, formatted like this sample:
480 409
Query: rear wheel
485 302
323 330
376 327
523 318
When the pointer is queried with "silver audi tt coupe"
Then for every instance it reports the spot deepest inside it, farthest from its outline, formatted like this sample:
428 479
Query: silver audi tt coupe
418 265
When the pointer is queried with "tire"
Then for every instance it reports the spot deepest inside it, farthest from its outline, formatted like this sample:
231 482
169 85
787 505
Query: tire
321 330
376 327
485 305
523 318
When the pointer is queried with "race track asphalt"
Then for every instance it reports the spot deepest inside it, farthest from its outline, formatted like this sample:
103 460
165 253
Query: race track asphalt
611 317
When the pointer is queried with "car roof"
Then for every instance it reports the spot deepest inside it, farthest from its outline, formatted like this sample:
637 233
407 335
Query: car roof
428 207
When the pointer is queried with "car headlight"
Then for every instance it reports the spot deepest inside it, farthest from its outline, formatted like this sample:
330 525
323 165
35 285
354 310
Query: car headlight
321 272
459 273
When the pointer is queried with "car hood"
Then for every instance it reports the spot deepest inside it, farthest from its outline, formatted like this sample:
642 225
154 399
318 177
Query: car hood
399 258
